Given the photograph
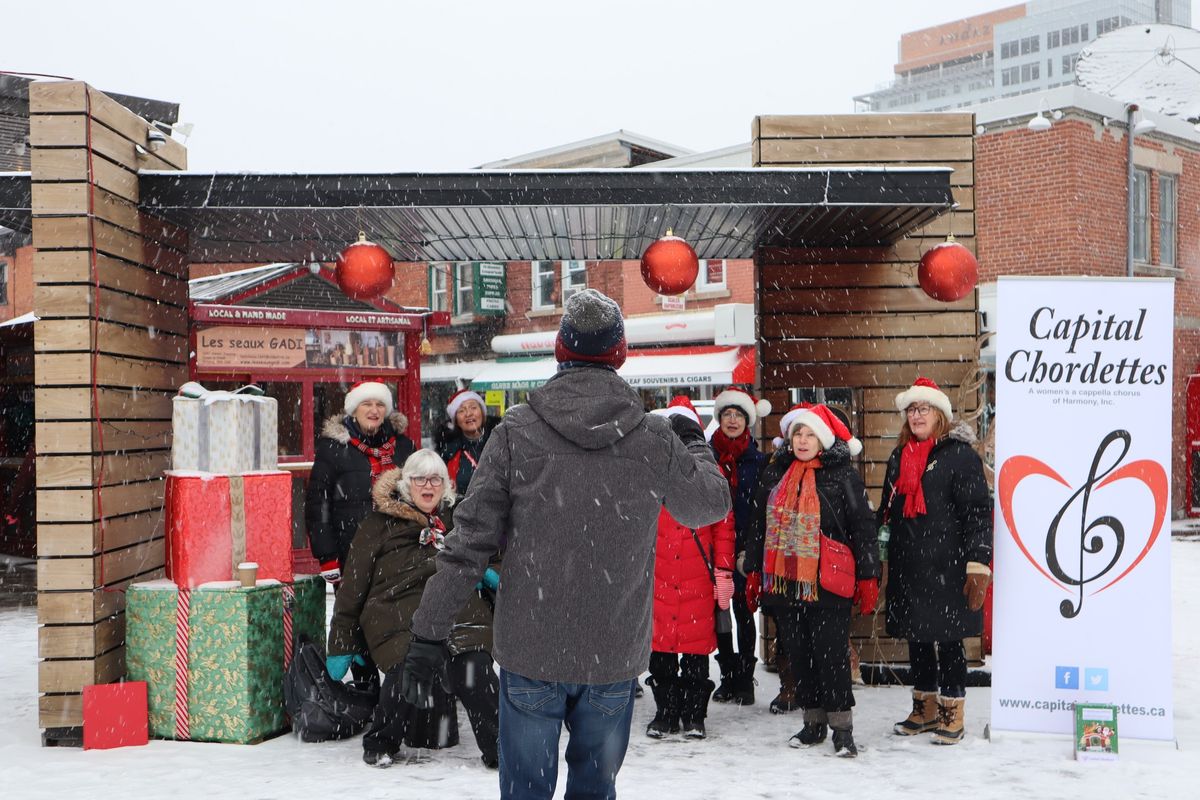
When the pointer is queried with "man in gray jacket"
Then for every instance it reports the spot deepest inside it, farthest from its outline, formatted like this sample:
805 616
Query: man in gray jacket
570 485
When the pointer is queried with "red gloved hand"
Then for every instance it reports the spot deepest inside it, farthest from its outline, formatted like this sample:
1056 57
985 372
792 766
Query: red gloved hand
331 572
866 595
753 590
724 579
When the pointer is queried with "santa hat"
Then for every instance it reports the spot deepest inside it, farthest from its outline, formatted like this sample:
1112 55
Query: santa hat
367 390
924 390
827 425
592 330
680 406
743 402
460 397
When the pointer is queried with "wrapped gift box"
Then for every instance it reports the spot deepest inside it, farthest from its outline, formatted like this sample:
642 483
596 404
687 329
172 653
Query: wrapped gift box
235 649
225 432
214 522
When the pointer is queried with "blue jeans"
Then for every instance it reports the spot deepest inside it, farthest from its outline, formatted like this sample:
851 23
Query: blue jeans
532 714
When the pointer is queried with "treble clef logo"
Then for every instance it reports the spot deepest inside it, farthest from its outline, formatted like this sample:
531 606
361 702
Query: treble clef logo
1091 542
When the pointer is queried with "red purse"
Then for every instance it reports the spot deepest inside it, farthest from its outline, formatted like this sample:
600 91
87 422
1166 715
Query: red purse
836 567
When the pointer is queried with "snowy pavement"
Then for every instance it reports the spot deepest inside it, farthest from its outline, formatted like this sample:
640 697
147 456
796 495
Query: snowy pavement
745 757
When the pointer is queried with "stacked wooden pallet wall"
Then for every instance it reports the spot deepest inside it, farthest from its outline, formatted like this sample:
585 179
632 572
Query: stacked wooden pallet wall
110 348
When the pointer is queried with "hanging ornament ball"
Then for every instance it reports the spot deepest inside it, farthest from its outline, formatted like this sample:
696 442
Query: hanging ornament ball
948 272
364 269
670 266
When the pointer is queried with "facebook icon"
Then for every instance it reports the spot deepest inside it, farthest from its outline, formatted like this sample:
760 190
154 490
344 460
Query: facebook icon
1066 677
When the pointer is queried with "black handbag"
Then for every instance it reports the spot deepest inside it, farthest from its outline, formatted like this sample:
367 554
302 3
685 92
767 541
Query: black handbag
320 707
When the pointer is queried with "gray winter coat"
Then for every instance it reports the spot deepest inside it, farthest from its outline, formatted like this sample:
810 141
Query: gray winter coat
572 483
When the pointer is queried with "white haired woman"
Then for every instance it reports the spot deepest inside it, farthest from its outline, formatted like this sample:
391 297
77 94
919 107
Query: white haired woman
390 559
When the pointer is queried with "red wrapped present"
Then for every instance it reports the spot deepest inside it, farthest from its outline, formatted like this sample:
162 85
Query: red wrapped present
115 715
215 522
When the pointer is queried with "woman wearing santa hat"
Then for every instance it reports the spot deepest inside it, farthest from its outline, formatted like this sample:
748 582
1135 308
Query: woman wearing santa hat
938 509
741 462
813 540
460 442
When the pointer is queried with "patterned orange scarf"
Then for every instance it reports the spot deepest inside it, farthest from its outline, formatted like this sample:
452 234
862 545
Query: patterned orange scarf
792 547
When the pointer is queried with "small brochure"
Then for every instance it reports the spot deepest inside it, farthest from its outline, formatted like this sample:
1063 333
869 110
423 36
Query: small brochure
1095 732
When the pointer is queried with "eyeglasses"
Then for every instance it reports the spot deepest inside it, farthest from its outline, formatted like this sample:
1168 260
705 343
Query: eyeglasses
433 480
731 413
918 411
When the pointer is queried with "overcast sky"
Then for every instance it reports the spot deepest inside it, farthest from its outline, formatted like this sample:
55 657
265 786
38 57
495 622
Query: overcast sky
309 86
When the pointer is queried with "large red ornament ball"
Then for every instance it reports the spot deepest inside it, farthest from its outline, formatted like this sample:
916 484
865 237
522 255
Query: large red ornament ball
670 266
364 270
948 272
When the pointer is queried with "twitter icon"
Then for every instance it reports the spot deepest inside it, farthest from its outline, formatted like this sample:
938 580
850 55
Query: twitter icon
1095 679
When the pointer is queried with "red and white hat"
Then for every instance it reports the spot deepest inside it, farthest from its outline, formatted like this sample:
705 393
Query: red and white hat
460 397
367 390
742 401
827 425
924 390
680 406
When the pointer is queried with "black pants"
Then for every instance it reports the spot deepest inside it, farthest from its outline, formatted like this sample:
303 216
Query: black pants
668 666
939 667
743 623
472 679
816 639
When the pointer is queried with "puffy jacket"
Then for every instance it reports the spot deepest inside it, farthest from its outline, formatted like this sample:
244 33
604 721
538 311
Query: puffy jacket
574 482
339 488
462 454
684 595
385 574
845 517
928 555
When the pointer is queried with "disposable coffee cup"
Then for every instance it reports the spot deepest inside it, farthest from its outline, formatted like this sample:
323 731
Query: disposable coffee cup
248 574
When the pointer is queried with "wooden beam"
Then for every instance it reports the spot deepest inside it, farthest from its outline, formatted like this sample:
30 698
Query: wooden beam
72 675
917 150
81 641
70 369
832 126
81 574
90 605
73 335
84 471
869 350
79 505
74 267
958 323
853 375
60 711
72 165
72 438
114 404
90 538
837 301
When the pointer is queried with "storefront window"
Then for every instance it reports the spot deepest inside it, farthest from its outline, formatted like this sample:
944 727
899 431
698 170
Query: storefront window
291 425
574 278
439 287
464 287
543 285
434 397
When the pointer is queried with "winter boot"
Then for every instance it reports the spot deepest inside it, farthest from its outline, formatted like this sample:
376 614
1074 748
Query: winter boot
638 691
842 723
728 663
949 720
667 696
743 681
694 707
816 728
785 701
923 718
374 758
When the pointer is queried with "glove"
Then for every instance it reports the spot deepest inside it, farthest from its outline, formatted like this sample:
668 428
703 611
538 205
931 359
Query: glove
491 580
741 563
976 589
724 579
688 430
331 572
753 590
337 666
425 663
866 595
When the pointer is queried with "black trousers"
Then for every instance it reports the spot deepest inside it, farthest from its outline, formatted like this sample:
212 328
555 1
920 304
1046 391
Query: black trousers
816 639
669 666
743 624
939 667
472 679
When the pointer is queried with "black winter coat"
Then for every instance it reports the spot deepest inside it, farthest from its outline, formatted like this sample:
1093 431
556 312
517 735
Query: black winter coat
749 467
845 517
339 487
454 448
928 555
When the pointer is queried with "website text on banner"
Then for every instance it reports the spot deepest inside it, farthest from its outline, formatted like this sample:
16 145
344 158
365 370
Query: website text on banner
1083 453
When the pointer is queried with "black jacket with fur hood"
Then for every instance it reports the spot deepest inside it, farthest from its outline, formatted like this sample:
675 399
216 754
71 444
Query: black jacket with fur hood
339 488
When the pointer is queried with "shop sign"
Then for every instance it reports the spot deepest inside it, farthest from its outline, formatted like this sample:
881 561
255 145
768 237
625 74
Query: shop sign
236 347
490 288
493 398
303 318
673 302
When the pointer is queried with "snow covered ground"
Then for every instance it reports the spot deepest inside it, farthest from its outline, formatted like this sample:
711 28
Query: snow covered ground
745 757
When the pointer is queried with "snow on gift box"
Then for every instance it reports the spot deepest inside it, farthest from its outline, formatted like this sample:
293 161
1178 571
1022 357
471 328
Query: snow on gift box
214 522
226 432
234 646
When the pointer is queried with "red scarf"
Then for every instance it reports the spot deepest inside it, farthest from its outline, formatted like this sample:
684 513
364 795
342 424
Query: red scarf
379 457
913 459
728 452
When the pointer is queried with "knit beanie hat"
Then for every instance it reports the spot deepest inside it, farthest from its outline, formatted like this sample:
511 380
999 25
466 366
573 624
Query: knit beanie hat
924 390
367 390
681 406
742 401
827 425
460 397
592 330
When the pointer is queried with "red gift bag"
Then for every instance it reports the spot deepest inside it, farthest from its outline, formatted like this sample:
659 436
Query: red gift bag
114 715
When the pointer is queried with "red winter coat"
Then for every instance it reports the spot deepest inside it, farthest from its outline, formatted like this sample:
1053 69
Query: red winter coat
684 596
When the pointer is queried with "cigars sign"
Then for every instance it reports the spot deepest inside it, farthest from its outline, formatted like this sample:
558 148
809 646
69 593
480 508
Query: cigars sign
1083 455
227 347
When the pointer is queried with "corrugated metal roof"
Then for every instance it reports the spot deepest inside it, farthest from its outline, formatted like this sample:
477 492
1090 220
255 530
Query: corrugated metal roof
218 287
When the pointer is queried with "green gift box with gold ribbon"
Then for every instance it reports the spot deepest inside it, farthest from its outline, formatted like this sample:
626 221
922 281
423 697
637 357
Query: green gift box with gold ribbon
214 657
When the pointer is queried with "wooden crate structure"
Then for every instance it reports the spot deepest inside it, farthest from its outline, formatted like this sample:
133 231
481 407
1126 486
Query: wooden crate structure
856 318
110 348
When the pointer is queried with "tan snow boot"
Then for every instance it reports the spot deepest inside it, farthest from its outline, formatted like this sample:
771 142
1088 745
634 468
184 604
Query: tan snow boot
923 718
949 720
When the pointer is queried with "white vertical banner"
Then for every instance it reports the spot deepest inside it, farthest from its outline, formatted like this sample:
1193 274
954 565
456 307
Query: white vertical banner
1082 600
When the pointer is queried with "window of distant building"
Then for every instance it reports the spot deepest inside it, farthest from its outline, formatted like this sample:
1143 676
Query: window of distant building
1010 49
1167 216
711 275
1053 39
3 282
543 285
1107 24
1068 63
1010 76
574 278
464 288
1141 215
1030 44
439 287
1030 72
